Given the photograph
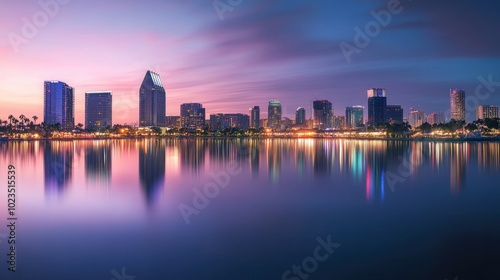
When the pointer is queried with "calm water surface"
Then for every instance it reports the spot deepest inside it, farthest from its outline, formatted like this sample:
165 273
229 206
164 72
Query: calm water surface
253 209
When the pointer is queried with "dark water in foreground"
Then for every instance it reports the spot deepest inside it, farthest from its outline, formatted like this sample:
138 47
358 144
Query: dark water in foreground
253 209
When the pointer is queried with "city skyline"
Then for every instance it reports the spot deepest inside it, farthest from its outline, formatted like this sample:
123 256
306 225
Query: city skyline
231 64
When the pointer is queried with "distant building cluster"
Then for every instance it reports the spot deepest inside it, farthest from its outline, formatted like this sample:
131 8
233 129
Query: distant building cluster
59 109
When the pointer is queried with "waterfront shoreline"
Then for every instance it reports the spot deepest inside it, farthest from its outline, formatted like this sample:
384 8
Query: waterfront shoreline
485 139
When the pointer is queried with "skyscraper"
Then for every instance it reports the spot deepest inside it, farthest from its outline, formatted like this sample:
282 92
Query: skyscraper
394 114
416 118
300 116
274 114
323 114
255 117
152 101
487 112
436 118
98 110
457 104
192 115
339 122
59 104
223 121
377 103
354 116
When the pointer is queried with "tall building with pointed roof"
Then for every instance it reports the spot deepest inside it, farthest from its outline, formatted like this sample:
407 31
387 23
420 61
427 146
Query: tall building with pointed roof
152 101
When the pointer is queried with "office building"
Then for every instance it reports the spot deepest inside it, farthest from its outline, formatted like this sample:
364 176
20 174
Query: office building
274 114
98 110
416 118
339 122
394 114
354 116
323 114
300 117
457 104
255 117
59 105
152 101
192 115
223 121
377 104
173 121
487 112
436 118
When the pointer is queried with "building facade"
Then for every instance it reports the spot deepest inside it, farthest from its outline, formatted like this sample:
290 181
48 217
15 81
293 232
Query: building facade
323 114
152 101
98 110
377 105
487 112
274 114
436 118
224 121
339 122
457 104
192 115
394 114
354 116
59 105
255 117
173 121
416 118
300 117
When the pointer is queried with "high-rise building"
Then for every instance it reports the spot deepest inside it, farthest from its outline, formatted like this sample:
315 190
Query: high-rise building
457 104
300 116
255 117
416 118
98 110
323 114
223 121
274 114
152 101
377 104
339 122
436 118
354 116
59 104
487 112
394 114
173 121
192 115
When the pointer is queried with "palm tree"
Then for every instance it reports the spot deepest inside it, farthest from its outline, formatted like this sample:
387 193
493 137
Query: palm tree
21 120
10 119
35 118
26 120
15 121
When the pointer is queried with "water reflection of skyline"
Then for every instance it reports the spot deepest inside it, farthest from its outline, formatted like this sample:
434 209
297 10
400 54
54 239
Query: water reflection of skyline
152 167
98 162
58 165
361 162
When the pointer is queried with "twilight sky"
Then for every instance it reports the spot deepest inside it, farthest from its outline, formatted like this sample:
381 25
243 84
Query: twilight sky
261 50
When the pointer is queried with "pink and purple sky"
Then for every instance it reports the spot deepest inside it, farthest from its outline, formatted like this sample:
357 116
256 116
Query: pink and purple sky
261 50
